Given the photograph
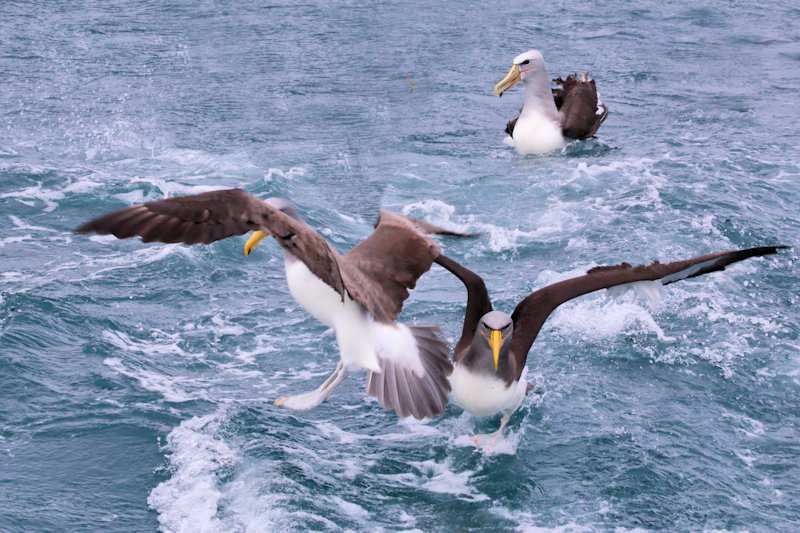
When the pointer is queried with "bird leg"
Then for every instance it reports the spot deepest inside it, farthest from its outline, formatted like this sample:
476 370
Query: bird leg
486 440
309 400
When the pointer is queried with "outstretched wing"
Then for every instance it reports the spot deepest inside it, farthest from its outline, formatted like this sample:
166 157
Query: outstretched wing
581 111
531 313
478 302
212 216
379 272
200 218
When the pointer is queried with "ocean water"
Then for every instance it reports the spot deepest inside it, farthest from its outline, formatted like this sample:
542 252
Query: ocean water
137 380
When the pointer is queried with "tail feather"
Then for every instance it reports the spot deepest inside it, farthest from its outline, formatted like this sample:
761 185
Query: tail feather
400 388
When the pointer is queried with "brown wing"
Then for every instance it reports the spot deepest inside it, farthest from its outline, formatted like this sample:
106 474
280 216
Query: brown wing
211 216
478 302
512 124
200 218
531 313
379 272
578 105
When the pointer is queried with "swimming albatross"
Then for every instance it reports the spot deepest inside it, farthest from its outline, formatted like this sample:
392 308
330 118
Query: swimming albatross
489 359
548 116
358 294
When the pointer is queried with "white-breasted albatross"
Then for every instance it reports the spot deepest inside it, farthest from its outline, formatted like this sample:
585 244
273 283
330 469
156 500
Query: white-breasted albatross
550 116
489 359
358 294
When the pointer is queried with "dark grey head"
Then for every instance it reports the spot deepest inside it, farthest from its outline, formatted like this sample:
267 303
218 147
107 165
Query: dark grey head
491 339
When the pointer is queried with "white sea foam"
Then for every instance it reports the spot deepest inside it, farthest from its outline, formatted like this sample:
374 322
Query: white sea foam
438 477
747 425
442 214
99 265
289 175
167 188
205 163
49 196
103 238
531 522
713 311
205 493
13 240
162 344
352 510
14 277
640 169
225 327
189 500
601 318
747 457
433 211
29 195
167 386
19 224
504 445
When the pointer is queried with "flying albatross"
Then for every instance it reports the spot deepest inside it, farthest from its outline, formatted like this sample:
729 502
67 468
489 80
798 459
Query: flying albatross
548 117
358 294
489 359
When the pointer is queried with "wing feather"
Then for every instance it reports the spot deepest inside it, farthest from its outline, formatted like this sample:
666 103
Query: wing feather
579 106
212 216
531 313
380 271
478 302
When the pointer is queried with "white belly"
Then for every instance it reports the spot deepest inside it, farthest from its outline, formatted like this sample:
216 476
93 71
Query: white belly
534 133
483 394
316 296
355 331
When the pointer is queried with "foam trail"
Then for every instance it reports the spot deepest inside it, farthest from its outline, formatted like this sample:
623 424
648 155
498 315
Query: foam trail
190 499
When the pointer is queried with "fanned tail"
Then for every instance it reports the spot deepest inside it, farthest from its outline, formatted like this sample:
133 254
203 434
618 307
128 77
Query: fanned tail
400 388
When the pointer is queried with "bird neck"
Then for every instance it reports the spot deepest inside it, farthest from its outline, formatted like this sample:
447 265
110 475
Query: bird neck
538 95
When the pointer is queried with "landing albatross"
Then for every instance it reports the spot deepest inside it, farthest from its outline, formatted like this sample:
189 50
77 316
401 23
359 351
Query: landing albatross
358 294
489 359
548 117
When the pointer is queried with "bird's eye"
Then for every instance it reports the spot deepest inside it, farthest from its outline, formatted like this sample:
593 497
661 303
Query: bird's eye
505 327
525 62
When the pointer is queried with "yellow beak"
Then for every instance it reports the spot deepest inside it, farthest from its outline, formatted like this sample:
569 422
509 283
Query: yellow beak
507 82
253 241
496 342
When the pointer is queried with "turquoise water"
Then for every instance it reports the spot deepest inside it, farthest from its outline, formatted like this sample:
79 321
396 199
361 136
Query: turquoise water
138 379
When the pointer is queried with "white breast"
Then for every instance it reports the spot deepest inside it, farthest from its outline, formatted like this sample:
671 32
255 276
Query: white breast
316 296
484 394
354 329
535 133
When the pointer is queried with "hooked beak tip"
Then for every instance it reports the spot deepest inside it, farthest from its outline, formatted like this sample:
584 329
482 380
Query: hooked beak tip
253 241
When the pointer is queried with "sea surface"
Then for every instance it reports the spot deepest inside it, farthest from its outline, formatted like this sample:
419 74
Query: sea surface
137 380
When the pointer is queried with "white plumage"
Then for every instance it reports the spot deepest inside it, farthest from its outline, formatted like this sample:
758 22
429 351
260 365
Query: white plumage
361 340
484 394
536 133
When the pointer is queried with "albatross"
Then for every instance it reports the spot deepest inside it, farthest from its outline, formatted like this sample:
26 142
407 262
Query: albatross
489 359
358 294
548 117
